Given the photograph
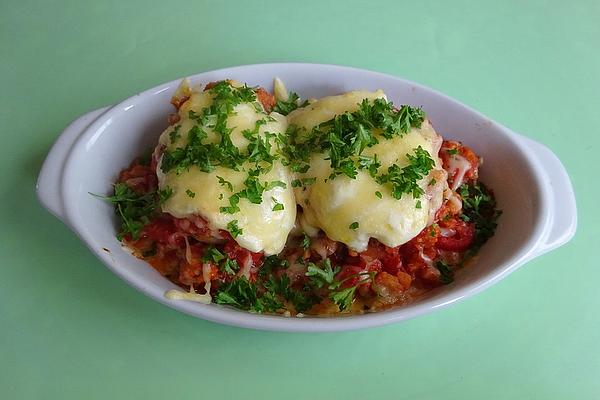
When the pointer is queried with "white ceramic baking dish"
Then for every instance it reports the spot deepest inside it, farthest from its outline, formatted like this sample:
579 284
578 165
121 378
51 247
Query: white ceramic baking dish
530 183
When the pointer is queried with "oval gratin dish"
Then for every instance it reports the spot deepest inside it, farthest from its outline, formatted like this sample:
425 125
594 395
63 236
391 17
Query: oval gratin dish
531 185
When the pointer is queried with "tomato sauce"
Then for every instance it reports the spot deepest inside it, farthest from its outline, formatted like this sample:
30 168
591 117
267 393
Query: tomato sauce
175 248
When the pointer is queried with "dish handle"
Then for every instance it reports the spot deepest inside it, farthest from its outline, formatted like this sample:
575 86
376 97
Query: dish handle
564 208
49 182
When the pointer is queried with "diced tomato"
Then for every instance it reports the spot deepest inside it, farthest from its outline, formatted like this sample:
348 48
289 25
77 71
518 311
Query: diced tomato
266 99
351 275
197 227
164 231
451 148
140 178
461 239
178 101
390 258
238 253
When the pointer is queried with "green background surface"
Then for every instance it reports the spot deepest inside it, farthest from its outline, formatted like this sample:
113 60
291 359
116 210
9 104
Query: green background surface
70 329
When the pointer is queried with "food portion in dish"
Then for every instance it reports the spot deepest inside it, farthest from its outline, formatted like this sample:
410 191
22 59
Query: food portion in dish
344 204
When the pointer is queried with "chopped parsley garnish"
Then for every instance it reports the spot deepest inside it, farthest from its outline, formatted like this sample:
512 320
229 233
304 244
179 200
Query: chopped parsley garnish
265 296
271 264
259 146
378 194
353 225
344 297
371 164
273 184
212 255
406 179
277 206
303 182
272 289
165 194
284 107
346 136
233 229
305 242
203 155
479 207
253 192
418 204
174 134
243 294
225 183
233 205
230 266
322 275
135 209
254 189
190 193
446 273
268 293
452 151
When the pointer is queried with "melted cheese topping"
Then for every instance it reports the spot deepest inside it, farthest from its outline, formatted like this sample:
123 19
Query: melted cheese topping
175 294
262 228
459 166
334 204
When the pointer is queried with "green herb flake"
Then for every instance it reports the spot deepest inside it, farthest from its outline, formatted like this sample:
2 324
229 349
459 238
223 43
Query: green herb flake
233 205
225 183
284 107
479 208
134 209
273 184
305 242
406 180
212 255
230 267
190 193
245 295
353 225
277 206
322 275
446 273
343 298
174 134
165 194
233 228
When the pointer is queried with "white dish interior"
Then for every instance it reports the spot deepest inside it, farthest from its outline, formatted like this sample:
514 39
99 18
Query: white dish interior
527 178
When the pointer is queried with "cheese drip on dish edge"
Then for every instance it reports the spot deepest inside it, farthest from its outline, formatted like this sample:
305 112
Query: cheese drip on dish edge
195 192
348 210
